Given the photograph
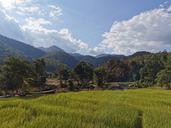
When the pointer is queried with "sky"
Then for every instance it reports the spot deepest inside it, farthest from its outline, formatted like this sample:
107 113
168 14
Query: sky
89 26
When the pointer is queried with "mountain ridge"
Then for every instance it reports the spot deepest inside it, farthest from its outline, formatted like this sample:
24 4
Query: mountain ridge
55 54
14 47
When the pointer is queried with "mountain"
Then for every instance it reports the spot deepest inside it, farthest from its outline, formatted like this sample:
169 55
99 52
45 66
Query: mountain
140 53
58 54
55 57
103 55
52 49
88 59
13 47
97 60
103 59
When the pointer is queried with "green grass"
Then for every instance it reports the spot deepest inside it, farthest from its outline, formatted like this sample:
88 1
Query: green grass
146 108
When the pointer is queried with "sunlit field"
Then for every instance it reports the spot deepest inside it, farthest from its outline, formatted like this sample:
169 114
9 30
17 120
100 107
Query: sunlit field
146 108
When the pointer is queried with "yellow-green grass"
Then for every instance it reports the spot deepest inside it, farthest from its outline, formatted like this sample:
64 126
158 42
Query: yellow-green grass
145 108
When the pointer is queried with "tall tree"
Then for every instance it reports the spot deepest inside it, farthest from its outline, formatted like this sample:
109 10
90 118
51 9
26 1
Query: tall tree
84 71
152 65
64 75
100 76
14 73
164 78
117 71
134 69
39 67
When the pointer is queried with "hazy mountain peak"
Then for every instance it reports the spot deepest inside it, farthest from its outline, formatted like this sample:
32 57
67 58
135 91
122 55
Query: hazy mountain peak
140 53
52 49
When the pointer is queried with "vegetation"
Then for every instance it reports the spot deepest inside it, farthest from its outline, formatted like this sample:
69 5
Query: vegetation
17 74
40 73
143 70
100 76
26 71
164 78
14 74
63 75
146 108
84 72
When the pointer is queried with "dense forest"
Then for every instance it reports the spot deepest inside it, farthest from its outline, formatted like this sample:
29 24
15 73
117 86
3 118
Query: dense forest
17 74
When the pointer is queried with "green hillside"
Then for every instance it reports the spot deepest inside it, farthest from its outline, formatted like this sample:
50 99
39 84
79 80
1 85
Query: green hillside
146 108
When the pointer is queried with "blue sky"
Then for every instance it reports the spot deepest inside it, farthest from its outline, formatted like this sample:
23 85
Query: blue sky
89 26
89 19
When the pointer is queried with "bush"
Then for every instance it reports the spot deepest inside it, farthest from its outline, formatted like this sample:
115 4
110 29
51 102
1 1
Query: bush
71 85
138 85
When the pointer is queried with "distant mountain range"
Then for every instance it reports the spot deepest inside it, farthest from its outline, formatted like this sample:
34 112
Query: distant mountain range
13 47
53 55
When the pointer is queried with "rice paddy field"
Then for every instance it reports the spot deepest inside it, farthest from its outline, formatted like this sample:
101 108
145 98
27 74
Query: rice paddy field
146 108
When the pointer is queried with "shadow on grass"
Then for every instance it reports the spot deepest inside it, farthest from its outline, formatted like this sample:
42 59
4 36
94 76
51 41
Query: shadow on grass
30 97
139 123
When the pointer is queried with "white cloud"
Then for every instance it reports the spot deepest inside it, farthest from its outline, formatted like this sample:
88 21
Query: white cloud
66 35
150 31
10 4
9 26
55 11
29 20
35 25
38 34
24 10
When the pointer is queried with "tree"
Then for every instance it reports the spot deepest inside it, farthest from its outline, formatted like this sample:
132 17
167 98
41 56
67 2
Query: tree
71 86
64 75
84 71
152 65
75 77
164 78
14 74
117 71
134 69
100 76
39 69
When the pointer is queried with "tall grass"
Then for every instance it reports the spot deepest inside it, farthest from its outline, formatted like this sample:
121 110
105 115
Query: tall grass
146 108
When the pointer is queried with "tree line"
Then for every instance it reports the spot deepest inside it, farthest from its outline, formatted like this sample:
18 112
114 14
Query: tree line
141 71
17 75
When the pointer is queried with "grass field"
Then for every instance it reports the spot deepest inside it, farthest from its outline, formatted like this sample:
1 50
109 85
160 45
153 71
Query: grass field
146 108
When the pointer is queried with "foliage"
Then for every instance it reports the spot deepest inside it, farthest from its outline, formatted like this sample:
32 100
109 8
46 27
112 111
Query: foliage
39 69
117 71
64 75
164 78
142 70
133 73
100 76
137 84
152 66
71 85
14 74
84 71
